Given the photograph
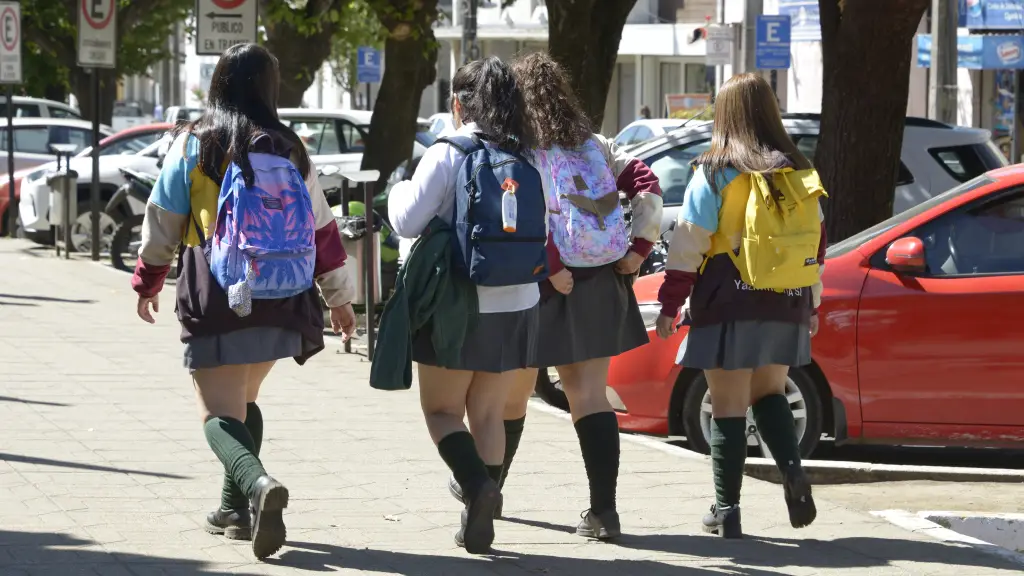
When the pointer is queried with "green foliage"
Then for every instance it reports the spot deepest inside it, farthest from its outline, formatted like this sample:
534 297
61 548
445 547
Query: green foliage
360 28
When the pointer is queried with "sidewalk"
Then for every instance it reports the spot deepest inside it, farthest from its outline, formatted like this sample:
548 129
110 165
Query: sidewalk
104 469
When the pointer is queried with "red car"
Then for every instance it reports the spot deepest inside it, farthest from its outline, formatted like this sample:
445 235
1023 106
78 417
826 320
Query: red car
127 141
921 338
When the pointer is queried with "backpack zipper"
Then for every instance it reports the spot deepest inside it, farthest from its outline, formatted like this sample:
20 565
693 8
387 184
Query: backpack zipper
477 238
498 165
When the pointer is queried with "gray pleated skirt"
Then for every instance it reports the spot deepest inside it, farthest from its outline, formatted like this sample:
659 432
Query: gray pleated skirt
600 318
246 346
500 342
746 344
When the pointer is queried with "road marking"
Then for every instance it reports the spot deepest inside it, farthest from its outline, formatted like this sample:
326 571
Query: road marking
920 524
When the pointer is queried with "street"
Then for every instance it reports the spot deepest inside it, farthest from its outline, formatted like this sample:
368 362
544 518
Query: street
104 469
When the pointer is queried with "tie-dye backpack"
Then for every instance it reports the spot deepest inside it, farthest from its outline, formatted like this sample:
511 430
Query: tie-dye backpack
587 223
264 243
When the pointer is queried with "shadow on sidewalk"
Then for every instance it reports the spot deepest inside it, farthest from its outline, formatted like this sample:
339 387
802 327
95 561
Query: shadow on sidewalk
41 299
767 552
48 553
4 457
33 402
18 304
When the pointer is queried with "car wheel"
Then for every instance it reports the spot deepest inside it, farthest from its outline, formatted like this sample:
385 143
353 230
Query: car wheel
549 388
803 397
81 230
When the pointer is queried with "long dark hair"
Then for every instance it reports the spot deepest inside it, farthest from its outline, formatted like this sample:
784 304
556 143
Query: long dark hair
748 134
490 97
554 113
241 107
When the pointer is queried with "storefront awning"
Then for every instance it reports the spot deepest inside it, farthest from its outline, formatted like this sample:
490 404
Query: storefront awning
989 52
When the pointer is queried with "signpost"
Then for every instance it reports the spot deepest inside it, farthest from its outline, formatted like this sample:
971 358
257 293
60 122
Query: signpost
719 46
220 24
97 48
10 74
368 68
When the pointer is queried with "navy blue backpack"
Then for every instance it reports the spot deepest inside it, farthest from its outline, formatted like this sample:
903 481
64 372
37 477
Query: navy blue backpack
484 249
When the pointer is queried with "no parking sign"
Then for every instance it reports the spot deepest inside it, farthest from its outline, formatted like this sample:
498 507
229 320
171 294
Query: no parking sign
97 33
10 43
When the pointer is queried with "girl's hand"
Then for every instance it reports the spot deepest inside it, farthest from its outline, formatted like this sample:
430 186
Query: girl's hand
142 308
629 264
343 321
665 326
814 325
562 281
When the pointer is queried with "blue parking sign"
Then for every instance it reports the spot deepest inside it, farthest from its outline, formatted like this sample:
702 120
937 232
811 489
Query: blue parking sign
774 34
368 65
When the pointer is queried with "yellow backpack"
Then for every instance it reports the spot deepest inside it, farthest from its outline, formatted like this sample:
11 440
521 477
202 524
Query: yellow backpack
781 231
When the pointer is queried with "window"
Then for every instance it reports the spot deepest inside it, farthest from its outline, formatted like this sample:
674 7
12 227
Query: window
63 113
983 239
808 145
22 110
353 138
127 110
319 136
625 137
673 169
642 134
966 162
130 145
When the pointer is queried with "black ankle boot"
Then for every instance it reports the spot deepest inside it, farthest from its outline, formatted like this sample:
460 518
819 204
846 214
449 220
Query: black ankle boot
456 491
232 524
603 526
477 532
268 531
723 521
798 497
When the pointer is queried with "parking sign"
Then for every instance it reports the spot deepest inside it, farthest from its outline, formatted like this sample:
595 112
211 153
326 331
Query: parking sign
10 43
368 65
772 51
97 33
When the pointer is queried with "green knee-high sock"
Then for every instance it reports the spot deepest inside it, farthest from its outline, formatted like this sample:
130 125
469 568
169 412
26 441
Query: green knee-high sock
728 453
231 496
231 441
775 423
513 433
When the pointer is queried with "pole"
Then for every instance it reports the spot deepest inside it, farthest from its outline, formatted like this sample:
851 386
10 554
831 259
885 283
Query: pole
12 209
754 9
370 266
470 50
368 107
94 200
719 70
942 83
1018 139
66 212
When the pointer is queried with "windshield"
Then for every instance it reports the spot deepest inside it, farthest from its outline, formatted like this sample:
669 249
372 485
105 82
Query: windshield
122 109
426 138
844 246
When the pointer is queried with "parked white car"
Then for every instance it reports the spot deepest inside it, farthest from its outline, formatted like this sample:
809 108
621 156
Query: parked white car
643 130
935 157
442 123
28 107
34 136
129 114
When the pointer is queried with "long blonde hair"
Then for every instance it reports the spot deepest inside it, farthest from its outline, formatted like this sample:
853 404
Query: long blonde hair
748 134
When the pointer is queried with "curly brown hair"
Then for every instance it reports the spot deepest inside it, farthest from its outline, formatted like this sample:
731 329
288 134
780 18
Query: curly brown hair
552 109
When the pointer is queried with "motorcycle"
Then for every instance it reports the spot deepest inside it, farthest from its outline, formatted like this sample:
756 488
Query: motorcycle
127 238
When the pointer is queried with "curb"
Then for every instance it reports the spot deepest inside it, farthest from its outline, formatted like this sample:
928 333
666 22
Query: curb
825 471
920 524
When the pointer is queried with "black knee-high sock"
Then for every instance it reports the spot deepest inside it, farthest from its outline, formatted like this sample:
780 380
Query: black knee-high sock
231 441
458 450
728 453
231 496
513 433
494 472
775 423
599 442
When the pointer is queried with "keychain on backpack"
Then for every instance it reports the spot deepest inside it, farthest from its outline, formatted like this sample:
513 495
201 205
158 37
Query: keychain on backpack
240 294
509 206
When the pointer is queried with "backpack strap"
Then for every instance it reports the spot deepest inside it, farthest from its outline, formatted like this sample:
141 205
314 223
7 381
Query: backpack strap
465 144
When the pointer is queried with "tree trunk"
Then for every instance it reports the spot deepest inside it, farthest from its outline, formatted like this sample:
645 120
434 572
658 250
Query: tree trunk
410 58
866 55
583 36
55 92
300 53
81 87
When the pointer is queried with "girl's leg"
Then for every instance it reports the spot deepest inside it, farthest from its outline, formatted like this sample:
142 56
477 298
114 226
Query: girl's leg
775 423
598 431
514 418
730 398
232 519
221 395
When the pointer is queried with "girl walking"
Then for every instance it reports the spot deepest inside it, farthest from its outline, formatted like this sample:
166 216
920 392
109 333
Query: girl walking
588 312
744 339
232 339
487 107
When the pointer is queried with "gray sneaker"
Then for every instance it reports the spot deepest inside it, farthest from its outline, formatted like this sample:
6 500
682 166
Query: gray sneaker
456 492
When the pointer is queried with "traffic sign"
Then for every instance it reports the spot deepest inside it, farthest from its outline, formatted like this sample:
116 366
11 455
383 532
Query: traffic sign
220 24
10 43
772 50
718 46
368 65
97 33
